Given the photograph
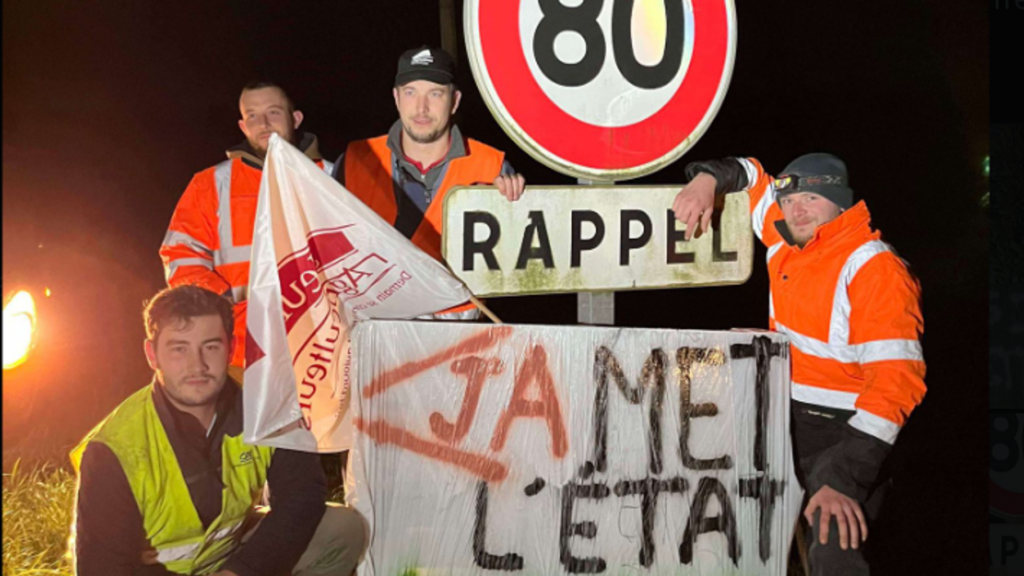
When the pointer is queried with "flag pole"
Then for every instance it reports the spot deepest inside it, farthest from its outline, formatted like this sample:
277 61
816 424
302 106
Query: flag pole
476 301
484 309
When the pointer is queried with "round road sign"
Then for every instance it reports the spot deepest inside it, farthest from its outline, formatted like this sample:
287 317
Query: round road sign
602 89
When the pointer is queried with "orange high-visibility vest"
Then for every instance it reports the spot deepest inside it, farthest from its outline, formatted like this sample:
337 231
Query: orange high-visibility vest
851 309
209 239
368 175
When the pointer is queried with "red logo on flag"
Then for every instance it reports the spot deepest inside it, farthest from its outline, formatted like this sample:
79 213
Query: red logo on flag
299 271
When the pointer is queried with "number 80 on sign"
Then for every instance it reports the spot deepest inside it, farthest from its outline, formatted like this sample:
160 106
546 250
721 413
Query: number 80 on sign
602 89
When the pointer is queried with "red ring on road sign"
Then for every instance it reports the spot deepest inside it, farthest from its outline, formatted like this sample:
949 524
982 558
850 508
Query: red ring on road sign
1005 500
600 147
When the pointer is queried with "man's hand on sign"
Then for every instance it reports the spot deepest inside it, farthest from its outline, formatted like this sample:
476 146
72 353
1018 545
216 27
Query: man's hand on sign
696 203
511 186
853 529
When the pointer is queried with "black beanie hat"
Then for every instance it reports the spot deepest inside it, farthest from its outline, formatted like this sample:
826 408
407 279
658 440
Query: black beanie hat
823 174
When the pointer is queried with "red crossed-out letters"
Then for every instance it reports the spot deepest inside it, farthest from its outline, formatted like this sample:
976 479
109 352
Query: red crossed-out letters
533 396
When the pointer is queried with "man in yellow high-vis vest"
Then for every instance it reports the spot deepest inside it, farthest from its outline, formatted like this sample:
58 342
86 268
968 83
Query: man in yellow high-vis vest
168 486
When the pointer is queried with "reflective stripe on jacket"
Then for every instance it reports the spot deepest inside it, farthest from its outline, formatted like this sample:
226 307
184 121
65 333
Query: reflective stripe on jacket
369 170
209 239
851 309
136 436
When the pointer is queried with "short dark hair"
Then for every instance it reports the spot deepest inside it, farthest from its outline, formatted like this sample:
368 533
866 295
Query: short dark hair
259 84
182 304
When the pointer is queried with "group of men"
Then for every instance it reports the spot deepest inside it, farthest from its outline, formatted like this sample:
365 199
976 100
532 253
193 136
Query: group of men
166 484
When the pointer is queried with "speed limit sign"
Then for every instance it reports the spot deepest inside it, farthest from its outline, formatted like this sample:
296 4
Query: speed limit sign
602 89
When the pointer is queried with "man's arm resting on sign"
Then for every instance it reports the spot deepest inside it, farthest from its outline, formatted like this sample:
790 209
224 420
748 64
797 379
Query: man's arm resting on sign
695 203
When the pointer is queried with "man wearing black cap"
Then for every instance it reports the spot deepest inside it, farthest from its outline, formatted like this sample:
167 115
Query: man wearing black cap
404 175
852 312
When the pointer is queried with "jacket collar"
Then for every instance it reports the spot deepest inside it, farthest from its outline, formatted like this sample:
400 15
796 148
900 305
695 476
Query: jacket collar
856 219
308 144
182 425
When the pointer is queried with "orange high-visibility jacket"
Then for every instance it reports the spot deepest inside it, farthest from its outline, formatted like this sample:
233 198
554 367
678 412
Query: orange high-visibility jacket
368 175
209 239
851 309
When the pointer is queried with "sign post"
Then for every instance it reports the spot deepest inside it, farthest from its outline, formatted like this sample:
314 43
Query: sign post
603 90
595 308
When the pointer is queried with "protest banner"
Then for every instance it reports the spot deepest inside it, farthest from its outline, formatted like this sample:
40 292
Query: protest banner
321 259
571 450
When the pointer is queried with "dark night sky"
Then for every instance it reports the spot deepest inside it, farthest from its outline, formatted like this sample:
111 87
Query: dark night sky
108 111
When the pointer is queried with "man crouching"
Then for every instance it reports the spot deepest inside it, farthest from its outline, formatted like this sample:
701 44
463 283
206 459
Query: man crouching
166 484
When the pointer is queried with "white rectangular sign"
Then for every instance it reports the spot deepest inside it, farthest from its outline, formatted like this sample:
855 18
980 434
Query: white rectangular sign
566 450
590 238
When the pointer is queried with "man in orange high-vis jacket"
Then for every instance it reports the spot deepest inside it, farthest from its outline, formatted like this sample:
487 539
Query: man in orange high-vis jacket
209 240
852 311
404 174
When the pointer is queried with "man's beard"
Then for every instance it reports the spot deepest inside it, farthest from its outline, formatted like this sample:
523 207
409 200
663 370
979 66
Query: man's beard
430 138
800 241
260 151
177 390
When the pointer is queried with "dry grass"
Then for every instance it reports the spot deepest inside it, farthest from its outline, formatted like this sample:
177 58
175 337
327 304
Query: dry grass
38 502
37 519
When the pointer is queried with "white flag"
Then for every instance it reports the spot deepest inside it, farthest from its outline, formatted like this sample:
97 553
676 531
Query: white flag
321 259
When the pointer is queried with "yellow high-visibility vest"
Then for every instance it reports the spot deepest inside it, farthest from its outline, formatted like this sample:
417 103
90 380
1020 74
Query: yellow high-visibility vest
135 435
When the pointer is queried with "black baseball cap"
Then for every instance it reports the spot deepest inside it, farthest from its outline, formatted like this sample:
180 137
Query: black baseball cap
425 63
821 173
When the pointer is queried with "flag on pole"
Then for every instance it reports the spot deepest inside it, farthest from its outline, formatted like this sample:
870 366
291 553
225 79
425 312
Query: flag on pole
321 259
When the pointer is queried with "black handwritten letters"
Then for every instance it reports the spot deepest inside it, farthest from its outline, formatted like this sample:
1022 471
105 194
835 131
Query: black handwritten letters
707 505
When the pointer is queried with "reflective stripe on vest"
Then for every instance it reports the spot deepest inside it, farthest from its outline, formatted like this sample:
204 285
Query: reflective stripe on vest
772 251
838 349
228 252
186 552
760 211
135 434
173 265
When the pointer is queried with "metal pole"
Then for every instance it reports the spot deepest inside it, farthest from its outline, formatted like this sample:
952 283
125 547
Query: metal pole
449 30
595 307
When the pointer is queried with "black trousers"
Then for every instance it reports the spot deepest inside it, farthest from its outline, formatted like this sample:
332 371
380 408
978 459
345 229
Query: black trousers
815 430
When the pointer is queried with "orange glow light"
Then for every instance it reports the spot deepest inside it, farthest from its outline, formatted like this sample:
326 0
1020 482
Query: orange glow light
19 329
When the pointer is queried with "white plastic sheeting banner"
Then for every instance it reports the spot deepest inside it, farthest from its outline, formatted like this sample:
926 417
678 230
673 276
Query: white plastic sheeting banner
321 259
571 450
